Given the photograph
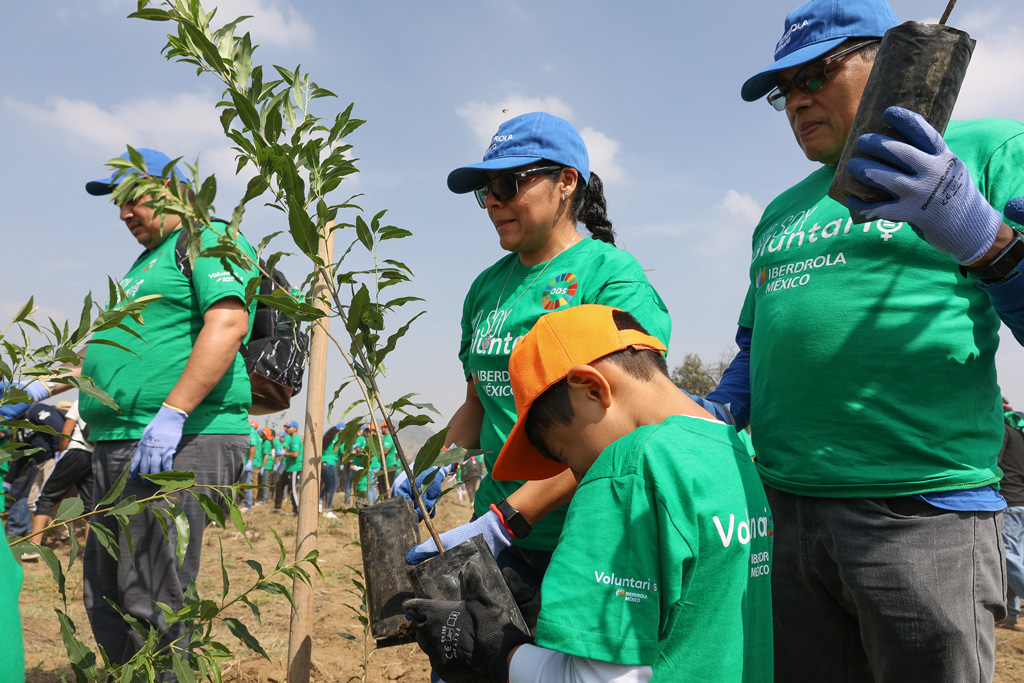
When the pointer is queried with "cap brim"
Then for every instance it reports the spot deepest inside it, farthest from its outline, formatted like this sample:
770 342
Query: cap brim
468 178
99 188
761 84
519 460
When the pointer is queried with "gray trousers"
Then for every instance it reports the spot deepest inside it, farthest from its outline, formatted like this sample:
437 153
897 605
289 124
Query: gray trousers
884 590
134 582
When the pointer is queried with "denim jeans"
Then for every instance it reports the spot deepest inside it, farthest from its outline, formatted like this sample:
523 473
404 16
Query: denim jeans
884 589
1013 539
347 474
329 484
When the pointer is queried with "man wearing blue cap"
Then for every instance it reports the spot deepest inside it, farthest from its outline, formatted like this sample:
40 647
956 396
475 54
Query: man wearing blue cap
867 371
183 394
289 478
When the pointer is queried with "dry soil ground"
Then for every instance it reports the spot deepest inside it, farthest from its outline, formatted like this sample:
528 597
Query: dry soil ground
335 659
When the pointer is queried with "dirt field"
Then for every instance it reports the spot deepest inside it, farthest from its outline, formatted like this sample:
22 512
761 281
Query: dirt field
335 659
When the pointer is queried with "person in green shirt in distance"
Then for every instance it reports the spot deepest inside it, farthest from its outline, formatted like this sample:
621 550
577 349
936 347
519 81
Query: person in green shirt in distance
368 462
329 474
288 478
663 568
390 458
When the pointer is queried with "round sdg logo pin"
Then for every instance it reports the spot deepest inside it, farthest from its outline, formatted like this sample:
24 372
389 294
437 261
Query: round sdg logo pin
559 291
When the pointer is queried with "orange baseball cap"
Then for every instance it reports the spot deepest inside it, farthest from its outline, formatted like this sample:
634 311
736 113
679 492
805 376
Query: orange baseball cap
558 341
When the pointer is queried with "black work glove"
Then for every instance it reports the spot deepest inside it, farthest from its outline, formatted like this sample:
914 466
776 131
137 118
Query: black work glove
473 633
527 597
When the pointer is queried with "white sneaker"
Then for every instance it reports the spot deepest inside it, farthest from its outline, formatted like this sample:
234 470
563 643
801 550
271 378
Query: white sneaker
30 557
330 515
321 506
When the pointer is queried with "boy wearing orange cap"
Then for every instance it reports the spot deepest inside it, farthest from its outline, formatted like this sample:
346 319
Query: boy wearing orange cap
662 568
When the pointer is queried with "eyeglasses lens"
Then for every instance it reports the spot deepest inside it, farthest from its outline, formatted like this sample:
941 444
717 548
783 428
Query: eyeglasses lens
504 188
807 81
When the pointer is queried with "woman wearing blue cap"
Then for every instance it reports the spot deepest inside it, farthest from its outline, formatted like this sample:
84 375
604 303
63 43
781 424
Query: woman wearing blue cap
536 185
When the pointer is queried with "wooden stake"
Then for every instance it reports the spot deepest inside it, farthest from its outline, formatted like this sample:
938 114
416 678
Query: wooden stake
300 637
945 15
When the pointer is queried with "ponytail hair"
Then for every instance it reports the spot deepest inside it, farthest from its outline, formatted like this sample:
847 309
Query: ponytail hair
589 207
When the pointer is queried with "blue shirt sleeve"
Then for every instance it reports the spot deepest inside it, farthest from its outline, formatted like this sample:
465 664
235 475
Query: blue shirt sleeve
1007 298
731 400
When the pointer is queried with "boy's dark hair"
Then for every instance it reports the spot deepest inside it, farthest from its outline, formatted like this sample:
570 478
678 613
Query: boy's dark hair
554 406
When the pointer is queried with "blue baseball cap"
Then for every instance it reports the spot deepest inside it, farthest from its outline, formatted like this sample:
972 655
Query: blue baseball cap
155 164
815 28
339 426
291 423
524 140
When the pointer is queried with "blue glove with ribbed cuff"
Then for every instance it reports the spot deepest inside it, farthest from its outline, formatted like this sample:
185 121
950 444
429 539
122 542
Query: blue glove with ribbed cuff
494 532
430 495
155 452
932 188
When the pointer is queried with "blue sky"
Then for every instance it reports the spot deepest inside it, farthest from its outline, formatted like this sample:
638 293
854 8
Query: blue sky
653 87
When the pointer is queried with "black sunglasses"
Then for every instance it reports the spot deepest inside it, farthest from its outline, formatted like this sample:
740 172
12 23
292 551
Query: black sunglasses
810 78
506 186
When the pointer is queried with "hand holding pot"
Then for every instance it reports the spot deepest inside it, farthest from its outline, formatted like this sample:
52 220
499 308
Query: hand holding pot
527 597
931 186
402 488
497 537
473 633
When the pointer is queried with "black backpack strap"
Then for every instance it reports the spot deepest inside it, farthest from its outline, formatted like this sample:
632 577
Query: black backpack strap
181 255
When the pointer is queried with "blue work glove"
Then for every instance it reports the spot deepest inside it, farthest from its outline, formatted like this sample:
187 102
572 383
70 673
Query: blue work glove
155 452
494 532
1014 210
248 467
278 465
37 391
932 187
401 487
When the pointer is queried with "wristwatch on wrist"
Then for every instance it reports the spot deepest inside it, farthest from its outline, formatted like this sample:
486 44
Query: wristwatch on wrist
512 519
1004 262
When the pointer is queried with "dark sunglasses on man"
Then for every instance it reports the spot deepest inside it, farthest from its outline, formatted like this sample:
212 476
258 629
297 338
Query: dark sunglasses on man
506 186
812 77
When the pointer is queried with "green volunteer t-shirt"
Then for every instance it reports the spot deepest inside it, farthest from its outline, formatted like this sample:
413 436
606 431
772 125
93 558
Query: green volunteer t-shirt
12 649
665 558
590 272
873 360
265 455
140 381
390 452
331 455
293 442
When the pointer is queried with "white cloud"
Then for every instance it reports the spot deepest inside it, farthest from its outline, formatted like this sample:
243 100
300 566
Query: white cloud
182 122
485 117
273 22
724 227
992 85
185 125
741 207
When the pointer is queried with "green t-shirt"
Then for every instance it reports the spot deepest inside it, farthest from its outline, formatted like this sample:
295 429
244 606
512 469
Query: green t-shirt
665 558
590 272
140 383
12 649
254 441
390 452
264 455
331 455
873 360
293 442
